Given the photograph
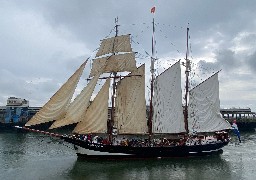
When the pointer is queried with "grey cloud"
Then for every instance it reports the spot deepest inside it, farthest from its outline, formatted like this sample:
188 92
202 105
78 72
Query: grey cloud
224 59
252 62
227 60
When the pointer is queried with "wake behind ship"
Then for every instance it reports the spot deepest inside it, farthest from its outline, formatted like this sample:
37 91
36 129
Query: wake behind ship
169 129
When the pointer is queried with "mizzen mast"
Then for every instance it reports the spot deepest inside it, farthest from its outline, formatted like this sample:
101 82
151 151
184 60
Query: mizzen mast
152 70
188 68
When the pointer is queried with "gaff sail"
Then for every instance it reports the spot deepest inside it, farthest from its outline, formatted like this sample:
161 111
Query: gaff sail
204 107
167 102
130 110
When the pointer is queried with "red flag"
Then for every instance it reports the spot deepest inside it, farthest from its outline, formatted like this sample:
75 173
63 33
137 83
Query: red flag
153 9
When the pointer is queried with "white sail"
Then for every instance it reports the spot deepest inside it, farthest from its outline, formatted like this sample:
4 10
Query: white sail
130 110
114 63
56 107
114 45
204 107
167 102
94 120
78 106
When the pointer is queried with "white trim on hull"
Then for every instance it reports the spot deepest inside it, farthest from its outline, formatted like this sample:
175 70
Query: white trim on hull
214 150
83 151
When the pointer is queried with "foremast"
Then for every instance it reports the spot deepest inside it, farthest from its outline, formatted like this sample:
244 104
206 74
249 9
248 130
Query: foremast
111 121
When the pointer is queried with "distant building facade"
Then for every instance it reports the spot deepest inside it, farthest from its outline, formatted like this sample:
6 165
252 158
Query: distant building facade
17 111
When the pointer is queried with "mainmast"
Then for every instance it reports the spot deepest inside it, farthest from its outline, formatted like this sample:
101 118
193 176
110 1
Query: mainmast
188 68
152 70
111 122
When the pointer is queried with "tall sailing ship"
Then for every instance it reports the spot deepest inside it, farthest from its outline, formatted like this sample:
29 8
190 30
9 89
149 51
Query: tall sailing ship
128 129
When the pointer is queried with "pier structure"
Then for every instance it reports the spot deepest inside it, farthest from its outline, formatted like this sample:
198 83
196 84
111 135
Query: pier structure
237 113
246 119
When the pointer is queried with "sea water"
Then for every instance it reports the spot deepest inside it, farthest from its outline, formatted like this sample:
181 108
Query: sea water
34 156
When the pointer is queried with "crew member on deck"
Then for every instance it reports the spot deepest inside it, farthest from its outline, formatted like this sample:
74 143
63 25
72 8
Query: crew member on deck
235 130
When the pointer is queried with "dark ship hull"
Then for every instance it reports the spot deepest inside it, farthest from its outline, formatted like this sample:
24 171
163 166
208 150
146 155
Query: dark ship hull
88 150
11 127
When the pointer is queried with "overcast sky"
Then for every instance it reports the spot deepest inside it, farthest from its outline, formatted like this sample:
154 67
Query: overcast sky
42 42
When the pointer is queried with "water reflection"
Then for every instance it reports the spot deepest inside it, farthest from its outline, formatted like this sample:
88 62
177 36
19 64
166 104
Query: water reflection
11 149
181 168
242 156
33 156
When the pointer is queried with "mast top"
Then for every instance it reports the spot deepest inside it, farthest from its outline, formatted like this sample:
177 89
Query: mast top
116 26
